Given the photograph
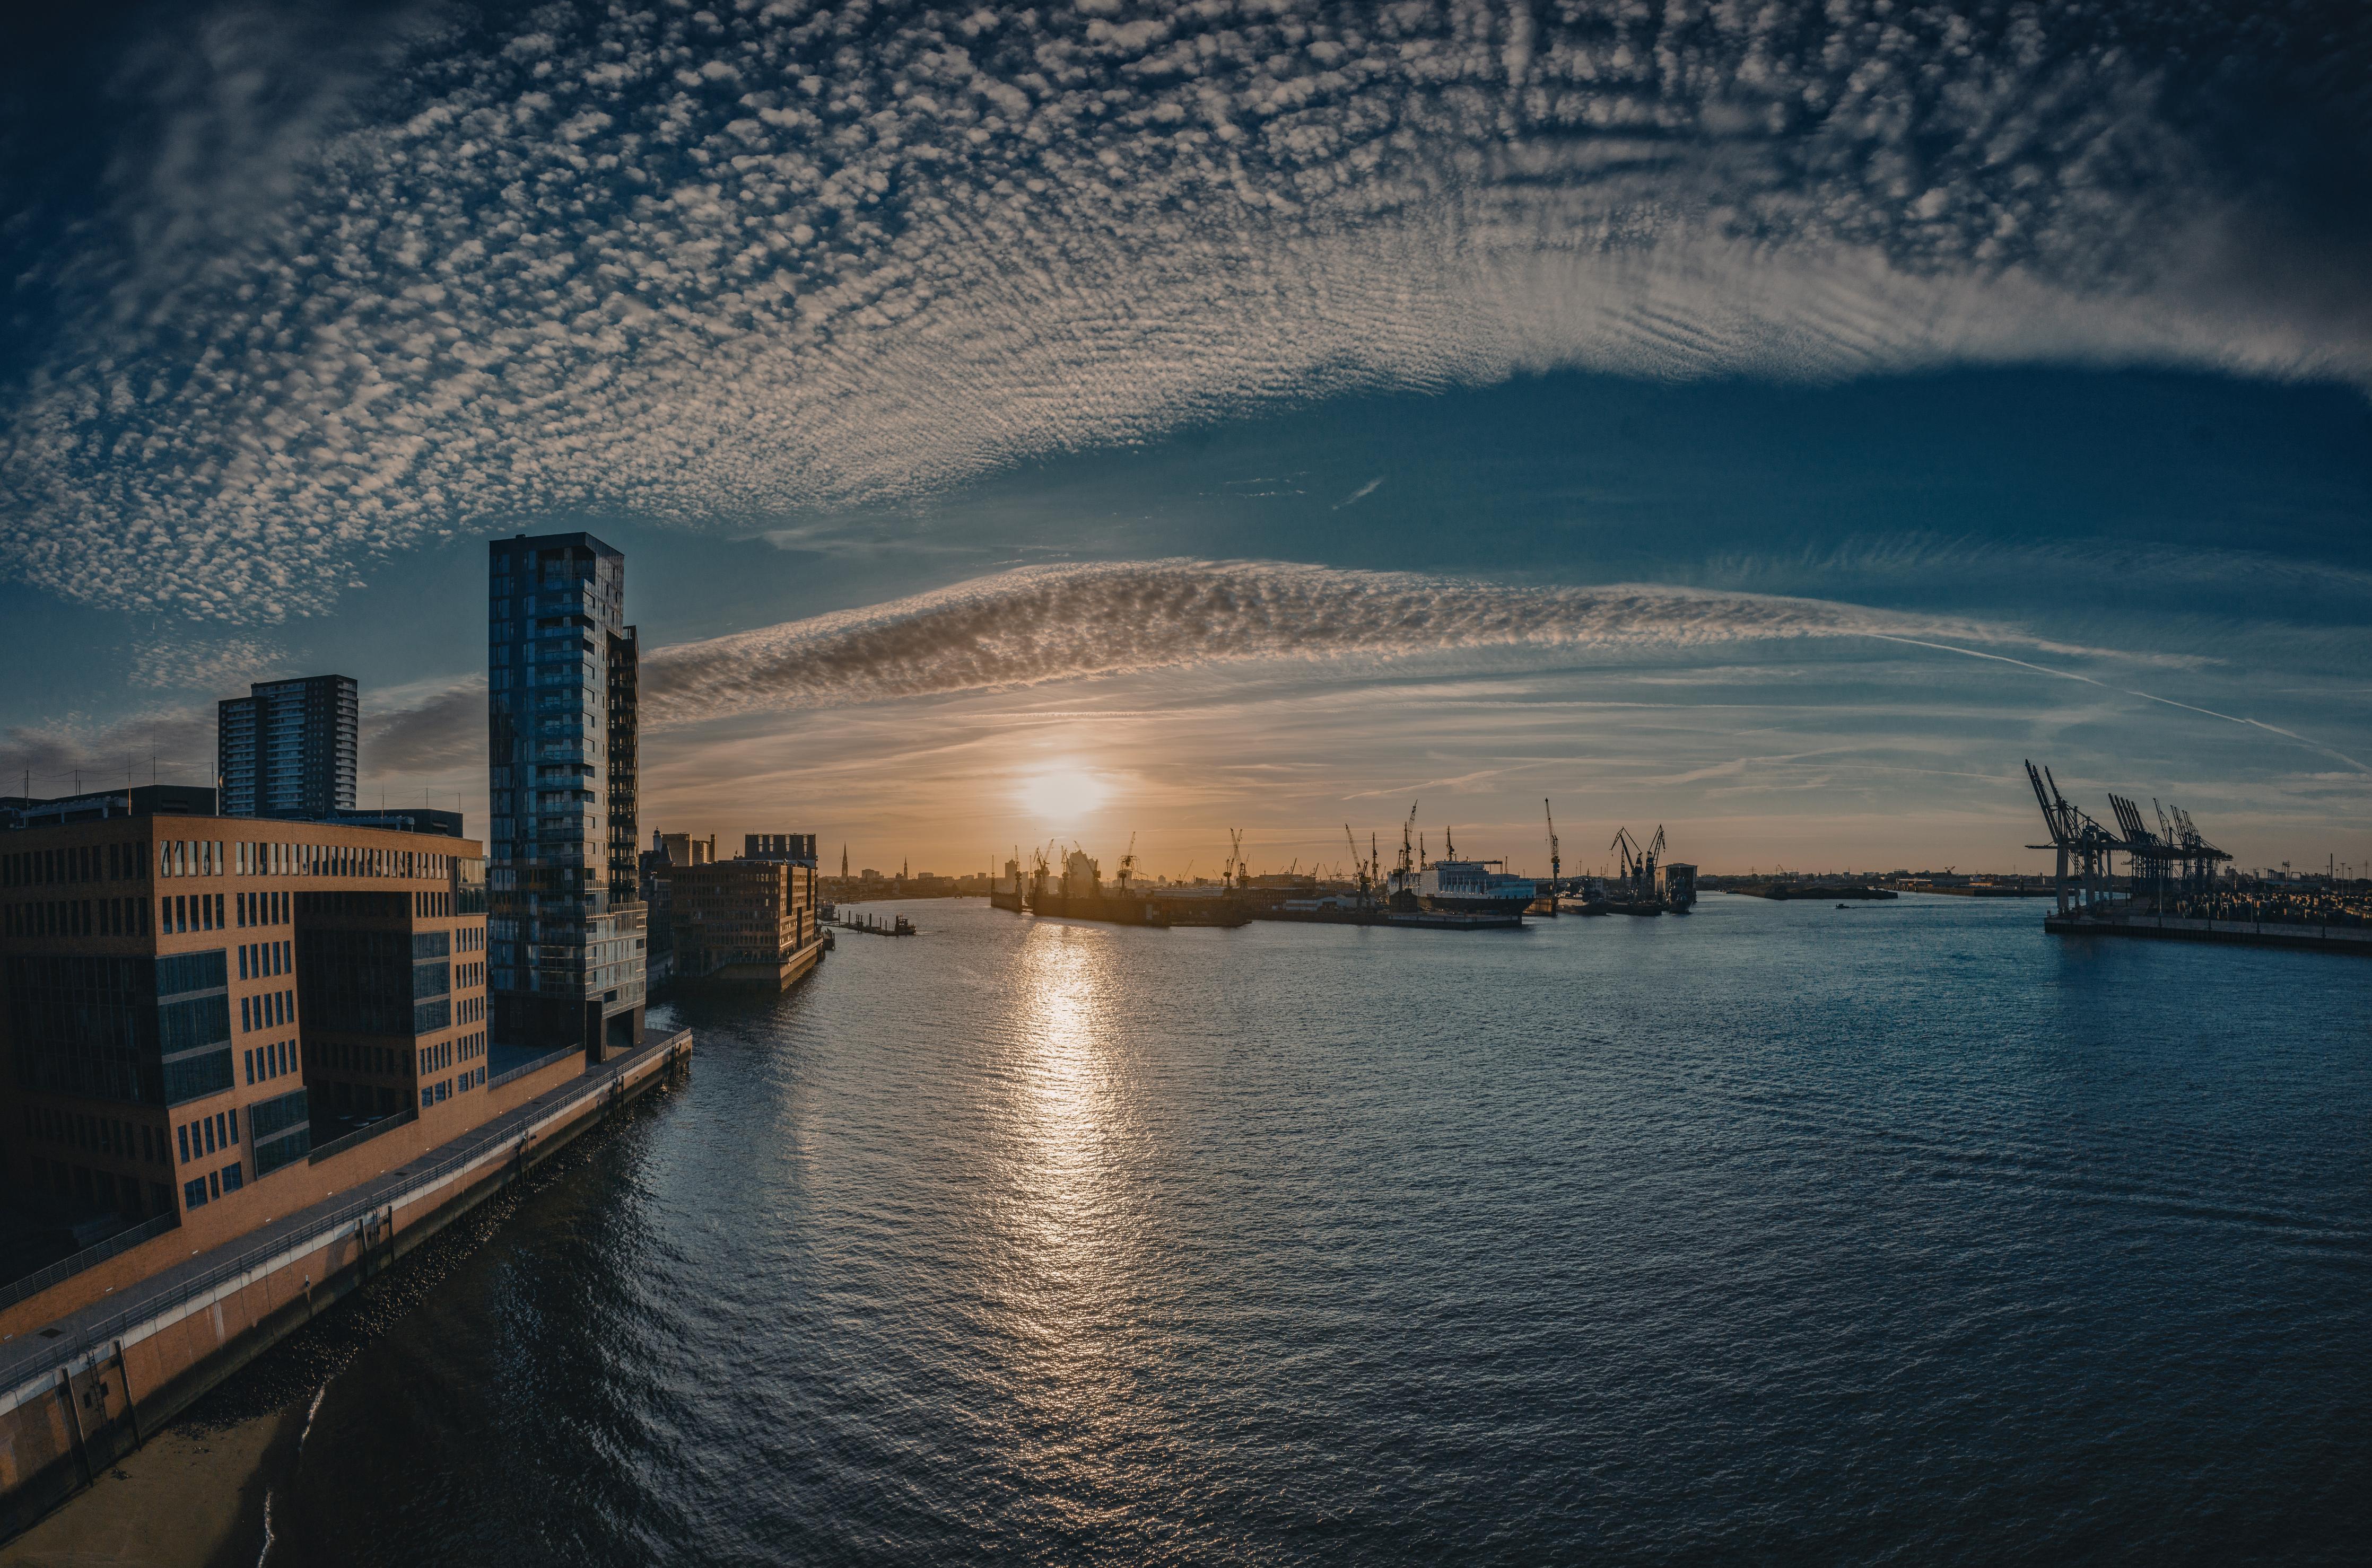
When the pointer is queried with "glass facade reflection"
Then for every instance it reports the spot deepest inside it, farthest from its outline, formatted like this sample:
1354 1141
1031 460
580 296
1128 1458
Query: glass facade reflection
565 921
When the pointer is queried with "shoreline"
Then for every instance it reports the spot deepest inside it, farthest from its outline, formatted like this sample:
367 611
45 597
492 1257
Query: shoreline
191 1497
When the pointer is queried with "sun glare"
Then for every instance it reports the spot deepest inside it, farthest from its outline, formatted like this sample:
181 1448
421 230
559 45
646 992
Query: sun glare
1061 795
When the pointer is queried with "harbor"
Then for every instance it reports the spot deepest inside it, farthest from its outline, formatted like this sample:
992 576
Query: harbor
2177 886
1418 890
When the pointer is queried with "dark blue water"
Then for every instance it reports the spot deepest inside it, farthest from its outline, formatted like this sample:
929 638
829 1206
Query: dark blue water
1897 1233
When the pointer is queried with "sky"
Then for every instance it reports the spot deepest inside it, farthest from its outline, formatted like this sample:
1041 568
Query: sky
1101 421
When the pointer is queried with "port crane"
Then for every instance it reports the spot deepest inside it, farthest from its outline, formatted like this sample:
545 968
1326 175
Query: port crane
1237 870
1556 867
1128 863
1367 883
1638 861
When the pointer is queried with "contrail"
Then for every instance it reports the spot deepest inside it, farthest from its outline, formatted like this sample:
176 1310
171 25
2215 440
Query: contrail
2310 744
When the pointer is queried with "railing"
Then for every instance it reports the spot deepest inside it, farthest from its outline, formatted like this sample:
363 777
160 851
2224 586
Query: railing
360 1136
32 1356
123 1241
537 1066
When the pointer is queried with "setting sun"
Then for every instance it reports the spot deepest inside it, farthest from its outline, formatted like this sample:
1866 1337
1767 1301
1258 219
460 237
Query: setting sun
1061 795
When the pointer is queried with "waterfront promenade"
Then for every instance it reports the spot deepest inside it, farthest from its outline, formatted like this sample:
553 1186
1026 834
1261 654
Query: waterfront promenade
95 1381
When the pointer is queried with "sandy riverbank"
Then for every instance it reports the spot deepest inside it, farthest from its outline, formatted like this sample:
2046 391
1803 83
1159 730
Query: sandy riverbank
192 1498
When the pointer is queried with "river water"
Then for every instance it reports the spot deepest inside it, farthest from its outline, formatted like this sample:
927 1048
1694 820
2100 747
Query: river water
1901 1233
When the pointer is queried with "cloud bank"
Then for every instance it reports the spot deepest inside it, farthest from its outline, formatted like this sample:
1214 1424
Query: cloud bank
725 264
1046 623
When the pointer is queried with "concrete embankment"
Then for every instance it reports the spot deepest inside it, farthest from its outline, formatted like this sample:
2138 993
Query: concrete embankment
93 1366
2229 933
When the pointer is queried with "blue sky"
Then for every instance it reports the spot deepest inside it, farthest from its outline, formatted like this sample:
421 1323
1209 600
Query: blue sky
1776 423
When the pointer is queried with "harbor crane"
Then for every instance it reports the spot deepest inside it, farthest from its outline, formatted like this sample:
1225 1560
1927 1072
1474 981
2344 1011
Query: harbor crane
1638 861
1556 867
1128 863
1236 869
1365 872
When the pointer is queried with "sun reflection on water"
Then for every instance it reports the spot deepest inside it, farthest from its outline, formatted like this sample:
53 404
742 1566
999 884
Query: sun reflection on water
1064 1114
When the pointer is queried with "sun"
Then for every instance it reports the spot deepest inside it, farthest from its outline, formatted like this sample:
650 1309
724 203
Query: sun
1061 795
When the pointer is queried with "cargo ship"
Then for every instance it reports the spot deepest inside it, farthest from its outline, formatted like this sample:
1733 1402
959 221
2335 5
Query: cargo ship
1453 886
1471 887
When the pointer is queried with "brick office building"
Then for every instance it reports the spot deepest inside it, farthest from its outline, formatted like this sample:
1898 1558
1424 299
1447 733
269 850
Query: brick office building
195 1005
745 921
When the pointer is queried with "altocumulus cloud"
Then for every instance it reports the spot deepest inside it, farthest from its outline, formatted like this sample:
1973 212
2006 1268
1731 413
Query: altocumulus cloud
724 264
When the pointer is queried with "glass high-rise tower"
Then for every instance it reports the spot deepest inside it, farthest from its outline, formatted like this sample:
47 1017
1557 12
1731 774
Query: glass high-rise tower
287 748
566 929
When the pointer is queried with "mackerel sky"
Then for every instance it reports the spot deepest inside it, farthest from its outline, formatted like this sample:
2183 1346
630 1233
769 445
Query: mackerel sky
1776 421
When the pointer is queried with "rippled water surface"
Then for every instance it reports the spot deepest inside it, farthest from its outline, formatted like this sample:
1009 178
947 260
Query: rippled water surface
1901 1233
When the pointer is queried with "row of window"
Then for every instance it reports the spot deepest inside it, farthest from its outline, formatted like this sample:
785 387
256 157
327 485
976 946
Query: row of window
70 863
273 1010
322 1056
78 917
266 1063
103 1187
260 960
207 1134
437 1058
189 912
262 909
213 857
446 1088
213 1184
97 1134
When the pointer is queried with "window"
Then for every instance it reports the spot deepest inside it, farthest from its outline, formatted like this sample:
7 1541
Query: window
249 1064
193 1193
184 1132
230 1177
281 1131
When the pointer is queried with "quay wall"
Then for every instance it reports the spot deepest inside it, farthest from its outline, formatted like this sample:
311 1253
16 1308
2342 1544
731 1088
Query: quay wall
91 1368
288 1190
2231 932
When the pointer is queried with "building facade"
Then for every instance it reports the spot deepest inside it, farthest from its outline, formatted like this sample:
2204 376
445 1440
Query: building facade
289 748
567 933
194 1005
745 921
